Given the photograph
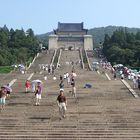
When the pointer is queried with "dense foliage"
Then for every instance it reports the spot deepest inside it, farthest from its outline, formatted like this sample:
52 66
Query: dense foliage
44 38
99 33
17 46
123 47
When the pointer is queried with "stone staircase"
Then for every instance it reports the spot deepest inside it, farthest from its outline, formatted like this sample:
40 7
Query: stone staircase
107 111
43 58
67 57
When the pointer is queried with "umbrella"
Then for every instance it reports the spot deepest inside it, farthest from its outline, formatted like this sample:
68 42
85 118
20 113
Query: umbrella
95 63
15 66
7 88
115 66
74 74
125 68
21 66
37 81
119 65
54 78
133 74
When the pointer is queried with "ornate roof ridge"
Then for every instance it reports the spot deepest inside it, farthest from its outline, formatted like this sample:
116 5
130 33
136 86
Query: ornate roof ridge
70 27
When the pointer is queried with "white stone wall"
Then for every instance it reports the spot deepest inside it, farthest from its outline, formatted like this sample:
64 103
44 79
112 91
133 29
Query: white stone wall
74 45
88 43
53 42
71 33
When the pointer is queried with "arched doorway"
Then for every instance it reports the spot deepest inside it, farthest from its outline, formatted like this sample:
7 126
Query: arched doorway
70 48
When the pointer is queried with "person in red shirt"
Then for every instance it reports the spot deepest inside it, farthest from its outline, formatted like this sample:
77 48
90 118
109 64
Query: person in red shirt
27 86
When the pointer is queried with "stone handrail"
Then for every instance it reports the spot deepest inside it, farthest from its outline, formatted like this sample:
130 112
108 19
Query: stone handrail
59 58
89 66
33 61
53 57
81 56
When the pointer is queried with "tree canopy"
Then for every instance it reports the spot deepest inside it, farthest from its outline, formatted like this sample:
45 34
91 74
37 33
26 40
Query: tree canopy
123 47
17 46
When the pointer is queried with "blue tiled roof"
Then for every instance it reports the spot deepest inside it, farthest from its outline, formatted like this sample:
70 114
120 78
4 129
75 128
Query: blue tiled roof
70 26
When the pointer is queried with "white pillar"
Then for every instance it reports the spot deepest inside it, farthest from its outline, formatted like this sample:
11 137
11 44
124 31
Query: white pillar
53 42
88 43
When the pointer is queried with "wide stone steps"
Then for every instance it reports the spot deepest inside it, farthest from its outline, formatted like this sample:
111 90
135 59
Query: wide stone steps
70 135
5 79
70 56
43 58
19 86
107 111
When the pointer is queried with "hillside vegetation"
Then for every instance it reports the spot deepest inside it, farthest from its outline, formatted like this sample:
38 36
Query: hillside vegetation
123 47
97 33
17 46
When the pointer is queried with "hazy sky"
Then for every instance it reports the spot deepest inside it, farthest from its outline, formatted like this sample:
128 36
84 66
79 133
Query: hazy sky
43 15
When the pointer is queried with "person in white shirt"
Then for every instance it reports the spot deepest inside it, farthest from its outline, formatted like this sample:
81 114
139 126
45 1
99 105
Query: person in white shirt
135 82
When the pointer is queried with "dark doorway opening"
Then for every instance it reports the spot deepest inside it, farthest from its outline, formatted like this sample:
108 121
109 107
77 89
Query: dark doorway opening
70 48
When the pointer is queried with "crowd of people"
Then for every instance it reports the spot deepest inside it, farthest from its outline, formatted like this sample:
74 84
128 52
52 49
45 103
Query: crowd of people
67 80
47 67
120 71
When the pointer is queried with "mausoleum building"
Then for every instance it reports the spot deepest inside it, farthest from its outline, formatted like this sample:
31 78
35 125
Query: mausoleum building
70 36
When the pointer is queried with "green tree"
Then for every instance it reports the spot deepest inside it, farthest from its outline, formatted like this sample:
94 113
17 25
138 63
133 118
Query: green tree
106 44
123 47
16 46
138 36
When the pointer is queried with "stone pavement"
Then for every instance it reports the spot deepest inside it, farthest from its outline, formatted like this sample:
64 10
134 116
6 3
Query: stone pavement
107 111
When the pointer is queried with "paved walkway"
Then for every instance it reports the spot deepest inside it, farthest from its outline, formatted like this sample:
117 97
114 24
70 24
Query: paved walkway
107 111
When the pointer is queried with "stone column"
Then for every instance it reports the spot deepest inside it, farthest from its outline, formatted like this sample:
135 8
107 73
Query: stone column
88 43
53 42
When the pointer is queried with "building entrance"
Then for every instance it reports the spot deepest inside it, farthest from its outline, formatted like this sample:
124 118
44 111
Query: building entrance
70 48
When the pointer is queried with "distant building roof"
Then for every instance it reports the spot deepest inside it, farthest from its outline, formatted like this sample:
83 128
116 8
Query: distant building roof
70 27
